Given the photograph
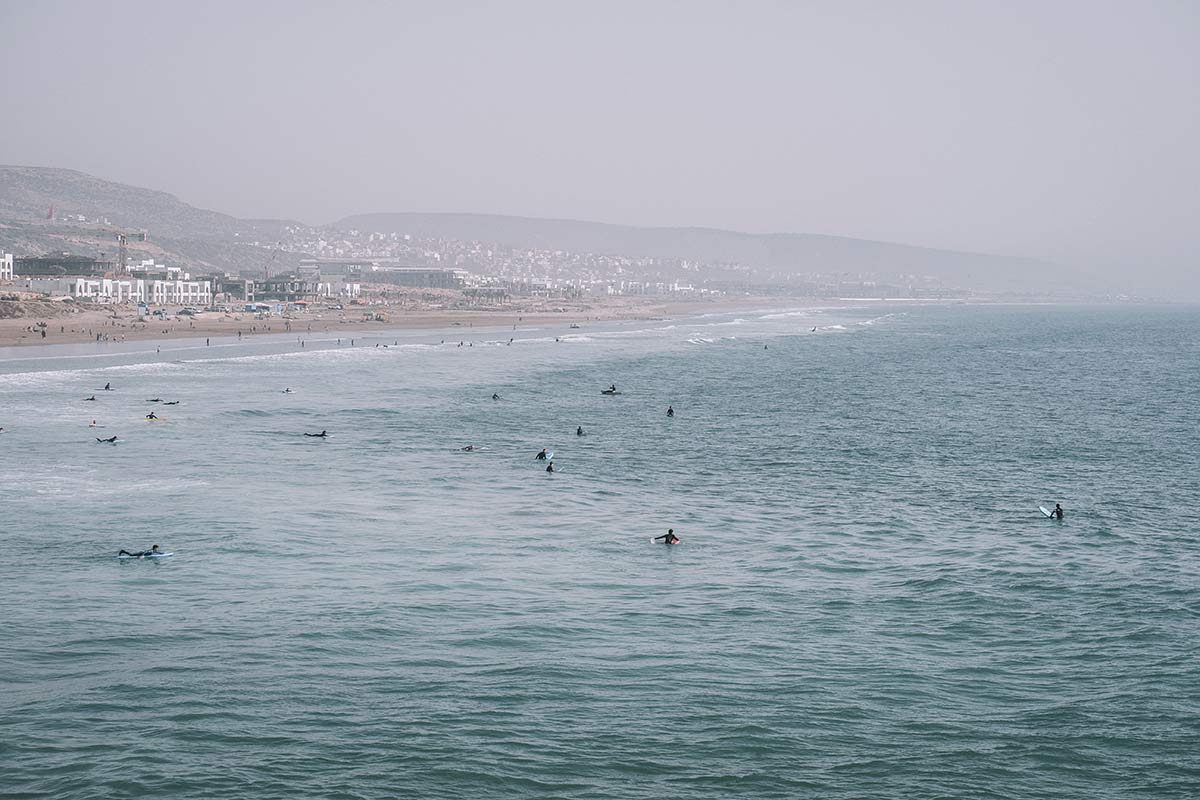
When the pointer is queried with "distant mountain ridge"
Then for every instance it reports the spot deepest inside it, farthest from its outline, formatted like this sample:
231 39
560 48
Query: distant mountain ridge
210 239
788 253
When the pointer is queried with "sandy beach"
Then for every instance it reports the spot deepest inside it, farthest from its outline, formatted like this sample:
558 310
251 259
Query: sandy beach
39 322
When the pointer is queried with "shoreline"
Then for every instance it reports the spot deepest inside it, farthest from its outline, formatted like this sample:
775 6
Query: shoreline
108 324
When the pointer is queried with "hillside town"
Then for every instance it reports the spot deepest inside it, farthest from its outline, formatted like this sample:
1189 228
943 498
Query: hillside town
307 266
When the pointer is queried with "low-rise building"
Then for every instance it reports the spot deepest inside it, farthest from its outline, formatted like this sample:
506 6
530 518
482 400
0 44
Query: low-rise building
60 265
122 290
6 267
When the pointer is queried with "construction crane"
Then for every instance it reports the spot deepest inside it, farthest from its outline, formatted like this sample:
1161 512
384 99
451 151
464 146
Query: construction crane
124 237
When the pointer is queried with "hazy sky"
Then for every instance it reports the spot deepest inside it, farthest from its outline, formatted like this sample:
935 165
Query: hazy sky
1062 130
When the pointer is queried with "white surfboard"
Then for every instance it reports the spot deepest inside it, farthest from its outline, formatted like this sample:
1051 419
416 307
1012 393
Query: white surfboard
151 555
1046 511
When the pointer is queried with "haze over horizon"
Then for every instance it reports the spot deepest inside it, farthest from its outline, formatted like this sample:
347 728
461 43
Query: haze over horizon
1063 133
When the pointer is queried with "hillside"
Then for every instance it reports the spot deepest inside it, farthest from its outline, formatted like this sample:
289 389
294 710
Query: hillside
205 240
787 253
178 232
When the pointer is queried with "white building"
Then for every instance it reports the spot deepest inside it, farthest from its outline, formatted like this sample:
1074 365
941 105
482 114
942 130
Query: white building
179 293
6 267
125 290
339 287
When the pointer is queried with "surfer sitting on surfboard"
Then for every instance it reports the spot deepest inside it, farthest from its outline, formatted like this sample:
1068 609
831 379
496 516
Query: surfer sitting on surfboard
668 538
153 551
151 415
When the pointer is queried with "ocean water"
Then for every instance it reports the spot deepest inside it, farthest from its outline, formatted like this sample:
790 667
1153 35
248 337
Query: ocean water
866 602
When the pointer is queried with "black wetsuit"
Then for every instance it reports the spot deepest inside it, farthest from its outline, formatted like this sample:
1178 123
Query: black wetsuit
540 456
139 554
1057 513
668 538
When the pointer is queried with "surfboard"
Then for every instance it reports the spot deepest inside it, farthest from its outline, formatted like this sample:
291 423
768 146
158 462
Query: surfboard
607 392
1046 511
155 419
152 555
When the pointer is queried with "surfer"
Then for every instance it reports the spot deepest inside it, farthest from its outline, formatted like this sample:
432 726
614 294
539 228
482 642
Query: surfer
171 403
469 448
320 435
579 431
155 400
550 467
108 387
93 397
612 388
153 551
111 439
151 415
495 396
541 456
287 390
1057 513
668 538
670 410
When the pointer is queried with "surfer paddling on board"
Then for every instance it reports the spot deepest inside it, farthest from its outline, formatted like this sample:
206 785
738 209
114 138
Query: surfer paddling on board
320 435
668 538
1057 513
153 551
111 439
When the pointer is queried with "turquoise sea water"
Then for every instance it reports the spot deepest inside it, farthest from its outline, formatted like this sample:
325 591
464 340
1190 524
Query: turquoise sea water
866 602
